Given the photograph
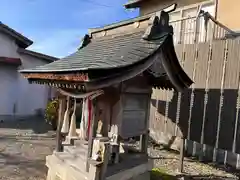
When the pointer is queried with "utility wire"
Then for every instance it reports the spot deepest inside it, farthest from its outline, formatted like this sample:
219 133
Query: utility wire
106 6
103 5
99 4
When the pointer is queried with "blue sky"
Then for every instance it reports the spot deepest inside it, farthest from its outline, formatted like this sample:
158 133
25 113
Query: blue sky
57 26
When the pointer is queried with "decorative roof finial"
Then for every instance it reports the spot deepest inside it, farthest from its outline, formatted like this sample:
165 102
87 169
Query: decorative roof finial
159 24
85 41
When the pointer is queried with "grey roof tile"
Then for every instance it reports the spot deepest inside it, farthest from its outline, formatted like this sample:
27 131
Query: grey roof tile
132 3
105 53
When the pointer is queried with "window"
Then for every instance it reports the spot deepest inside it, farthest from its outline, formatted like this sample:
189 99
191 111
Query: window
174 19
187 28
189 25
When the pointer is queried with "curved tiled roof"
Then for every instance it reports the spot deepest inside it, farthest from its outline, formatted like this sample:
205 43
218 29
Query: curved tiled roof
106 53
110 59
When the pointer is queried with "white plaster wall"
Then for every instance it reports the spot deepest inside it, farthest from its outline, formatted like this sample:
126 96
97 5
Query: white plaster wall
8 89
8 76
8 47
31 96
16 94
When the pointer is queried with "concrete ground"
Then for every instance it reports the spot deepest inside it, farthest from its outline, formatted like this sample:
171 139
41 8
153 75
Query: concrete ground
24 144
167 162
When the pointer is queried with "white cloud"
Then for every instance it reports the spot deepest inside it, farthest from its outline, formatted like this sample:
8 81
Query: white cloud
57 30
99 16
59 43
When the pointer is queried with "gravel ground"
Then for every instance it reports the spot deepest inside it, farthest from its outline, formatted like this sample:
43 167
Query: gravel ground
168 162
23 148
25 144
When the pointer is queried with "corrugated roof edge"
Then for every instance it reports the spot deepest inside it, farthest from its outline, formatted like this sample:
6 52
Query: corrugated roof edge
37 54
132 4
119 24
24 42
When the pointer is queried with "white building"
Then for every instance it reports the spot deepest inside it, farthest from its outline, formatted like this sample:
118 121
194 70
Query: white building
18 98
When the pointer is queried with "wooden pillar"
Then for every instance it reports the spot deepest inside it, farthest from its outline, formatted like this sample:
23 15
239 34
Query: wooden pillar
60 123
105 161
92 134
144 138
144 142
98 169
106 120
181 156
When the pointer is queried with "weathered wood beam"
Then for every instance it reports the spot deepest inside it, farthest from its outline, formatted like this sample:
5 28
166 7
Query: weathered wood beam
79 77
105 120
60 123
105 161
144 143
144 138
181 156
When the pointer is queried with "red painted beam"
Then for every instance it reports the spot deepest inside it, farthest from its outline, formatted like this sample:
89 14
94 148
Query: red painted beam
11 61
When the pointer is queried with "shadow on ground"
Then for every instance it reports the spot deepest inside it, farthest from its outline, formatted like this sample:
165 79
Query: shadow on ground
37 124
20 167
159 174
225 168
24 145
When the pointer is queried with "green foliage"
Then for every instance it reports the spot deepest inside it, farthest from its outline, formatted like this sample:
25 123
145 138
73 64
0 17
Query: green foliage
51 112
161 174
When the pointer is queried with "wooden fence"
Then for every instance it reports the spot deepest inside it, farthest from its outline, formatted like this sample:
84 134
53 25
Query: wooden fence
206 114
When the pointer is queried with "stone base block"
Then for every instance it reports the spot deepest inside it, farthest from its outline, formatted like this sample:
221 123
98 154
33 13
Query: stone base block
60 170
67 168
141 172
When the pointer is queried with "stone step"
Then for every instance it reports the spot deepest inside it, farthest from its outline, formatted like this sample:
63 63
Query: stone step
79 142
73 141
79 150
75 162
78 145
76 151
62 166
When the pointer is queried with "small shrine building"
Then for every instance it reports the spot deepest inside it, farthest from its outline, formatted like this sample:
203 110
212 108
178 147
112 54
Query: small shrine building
112 73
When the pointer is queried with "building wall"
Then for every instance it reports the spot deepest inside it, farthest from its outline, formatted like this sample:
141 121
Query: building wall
31 96
17 96
8 77
227 13
8 47
156 5
8 89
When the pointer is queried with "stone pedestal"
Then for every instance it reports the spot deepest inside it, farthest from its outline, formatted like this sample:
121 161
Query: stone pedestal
71 165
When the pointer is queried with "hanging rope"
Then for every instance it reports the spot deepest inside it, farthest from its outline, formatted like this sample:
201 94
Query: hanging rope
86 113
68 101
81 95
83 124
75 106
65 126
98 93
72 130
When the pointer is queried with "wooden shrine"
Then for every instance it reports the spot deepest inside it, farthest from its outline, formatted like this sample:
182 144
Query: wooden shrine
112 73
